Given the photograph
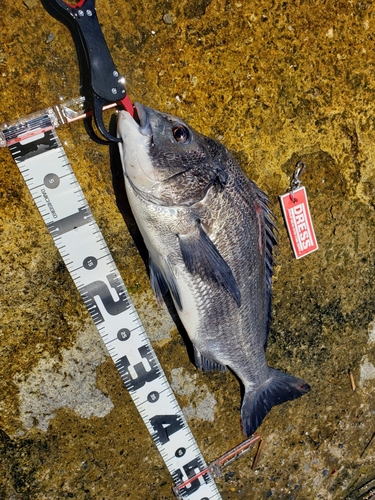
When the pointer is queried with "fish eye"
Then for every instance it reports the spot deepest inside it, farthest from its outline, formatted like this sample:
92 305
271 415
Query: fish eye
181 134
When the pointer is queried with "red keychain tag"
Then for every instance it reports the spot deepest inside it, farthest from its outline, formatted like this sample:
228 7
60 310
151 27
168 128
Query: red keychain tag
296 212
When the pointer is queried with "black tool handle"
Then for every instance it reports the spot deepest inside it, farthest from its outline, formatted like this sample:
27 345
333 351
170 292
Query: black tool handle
83 23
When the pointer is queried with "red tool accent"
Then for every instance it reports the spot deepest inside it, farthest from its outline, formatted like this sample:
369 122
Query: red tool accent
127 105
74 6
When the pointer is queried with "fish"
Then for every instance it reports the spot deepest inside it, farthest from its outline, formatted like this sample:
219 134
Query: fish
210 235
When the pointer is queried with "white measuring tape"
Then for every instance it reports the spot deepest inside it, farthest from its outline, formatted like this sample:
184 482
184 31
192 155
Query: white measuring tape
48 174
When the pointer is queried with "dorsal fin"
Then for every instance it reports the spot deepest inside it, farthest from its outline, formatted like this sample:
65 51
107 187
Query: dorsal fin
268 242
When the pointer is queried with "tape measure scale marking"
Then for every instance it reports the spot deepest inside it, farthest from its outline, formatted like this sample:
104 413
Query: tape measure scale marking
46 170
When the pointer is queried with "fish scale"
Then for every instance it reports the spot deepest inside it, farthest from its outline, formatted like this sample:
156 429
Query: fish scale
210 243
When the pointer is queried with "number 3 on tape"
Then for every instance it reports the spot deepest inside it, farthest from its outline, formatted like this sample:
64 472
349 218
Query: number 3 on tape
42 161
298 222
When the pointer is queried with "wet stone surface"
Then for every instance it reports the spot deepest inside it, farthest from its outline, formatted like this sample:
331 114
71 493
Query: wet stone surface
277 82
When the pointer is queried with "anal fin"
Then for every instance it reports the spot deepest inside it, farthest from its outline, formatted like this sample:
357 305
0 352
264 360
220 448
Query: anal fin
206 364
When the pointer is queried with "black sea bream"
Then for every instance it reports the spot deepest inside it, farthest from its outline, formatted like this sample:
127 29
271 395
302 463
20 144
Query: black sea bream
209 233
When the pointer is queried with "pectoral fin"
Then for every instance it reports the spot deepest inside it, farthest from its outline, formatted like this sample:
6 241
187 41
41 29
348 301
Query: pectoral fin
202 257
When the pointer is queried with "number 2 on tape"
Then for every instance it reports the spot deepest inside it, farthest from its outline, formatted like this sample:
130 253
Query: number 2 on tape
41 159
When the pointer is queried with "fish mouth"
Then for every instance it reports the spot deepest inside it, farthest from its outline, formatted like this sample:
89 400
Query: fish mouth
141 117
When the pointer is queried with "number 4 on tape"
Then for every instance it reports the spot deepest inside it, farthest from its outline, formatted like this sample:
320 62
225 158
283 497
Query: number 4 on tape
298 222
42 161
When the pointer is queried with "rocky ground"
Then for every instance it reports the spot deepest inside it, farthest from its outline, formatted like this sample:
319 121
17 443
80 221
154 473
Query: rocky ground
277 82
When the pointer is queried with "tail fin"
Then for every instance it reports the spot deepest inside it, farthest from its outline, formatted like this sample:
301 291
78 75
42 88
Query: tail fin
279 388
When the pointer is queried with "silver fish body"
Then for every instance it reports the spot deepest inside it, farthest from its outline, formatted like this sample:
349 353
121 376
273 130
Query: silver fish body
209 233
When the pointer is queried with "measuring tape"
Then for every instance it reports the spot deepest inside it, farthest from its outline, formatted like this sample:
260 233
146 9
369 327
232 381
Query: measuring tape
48 174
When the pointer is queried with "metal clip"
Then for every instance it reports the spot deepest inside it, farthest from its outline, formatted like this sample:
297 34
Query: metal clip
295 183
215 467
3 141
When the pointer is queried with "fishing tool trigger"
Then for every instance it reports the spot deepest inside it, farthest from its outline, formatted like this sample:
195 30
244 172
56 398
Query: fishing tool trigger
101 83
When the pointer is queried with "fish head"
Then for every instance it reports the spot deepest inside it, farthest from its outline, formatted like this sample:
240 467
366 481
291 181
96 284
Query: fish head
165 160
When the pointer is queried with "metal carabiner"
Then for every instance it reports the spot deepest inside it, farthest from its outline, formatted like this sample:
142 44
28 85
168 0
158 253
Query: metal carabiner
295 183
